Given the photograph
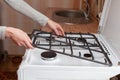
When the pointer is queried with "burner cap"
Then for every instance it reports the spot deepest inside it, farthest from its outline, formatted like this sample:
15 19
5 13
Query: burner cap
48 55
83 40
87 55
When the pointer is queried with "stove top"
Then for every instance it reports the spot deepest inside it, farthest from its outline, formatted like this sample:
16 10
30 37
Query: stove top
71 49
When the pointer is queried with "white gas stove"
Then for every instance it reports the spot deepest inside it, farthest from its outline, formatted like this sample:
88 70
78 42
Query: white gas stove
75 56
70 57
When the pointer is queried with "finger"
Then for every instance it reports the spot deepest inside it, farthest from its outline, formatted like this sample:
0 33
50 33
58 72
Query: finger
18 43
28 42
61 31
28 39
23 44
56 32
29 45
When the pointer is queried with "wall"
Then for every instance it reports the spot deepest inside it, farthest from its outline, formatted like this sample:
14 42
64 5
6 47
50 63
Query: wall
58 3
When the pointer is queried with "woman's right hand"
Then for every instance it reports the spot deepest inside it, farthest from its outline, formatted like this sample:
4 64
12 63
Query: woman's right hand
19 37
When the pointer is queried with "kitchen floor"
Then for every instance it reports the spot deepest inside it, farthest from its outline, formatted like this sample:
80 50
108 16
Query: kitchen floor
9 67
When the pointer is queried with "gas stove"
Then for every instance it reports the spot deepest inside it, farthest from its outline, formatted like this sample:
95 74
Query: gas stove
76 56
82 49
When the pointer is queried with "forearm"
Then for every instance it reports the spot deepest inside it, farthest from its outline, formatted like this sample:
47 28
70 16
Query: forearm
24 8
2 32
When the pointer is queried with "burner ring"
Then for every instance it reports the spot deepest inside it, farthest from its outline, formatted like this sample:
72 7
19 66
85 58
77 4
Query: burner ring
48 55
83 40
87 55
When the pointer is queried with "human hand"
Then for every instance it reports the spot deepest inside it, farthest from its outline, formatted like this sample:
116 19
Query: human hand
19 37
56 28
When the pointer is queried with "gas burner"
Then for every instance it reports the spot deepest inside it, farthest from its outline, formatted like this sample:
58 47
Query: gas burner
83 40
87 55
48 55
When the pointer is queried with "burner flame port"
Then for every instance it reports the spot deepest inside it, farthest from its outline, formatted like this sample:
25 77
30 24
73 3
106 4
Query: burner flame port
48 55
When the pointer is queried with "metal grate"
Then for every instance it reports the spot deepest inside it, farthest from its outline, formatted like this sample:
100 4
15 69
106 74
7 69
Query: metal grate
72 42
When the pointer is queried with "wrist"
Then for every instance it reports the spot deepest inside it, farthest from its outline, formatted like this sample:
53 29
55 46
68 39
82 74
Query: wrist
9 32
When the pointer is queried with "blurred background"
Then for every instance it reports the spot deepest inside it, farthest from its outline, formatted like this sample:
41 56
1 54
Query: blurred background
9 17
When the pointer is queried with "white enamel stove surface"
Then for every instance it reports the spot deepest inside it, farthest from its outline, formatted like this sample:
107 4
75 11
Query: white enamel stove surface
66 67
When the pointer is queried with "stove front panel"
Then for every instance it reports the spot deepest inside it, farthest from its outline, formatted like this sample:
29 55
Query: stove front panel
67 73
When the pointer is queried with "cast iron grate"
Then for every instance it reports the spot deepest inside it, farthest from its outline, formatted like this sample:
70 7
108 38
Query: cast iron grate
71 42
